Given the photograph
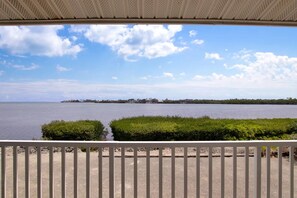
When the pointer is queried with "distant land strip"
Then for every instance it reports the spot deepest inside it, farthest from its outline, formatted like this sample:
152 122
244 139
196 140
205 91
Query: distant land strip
287 101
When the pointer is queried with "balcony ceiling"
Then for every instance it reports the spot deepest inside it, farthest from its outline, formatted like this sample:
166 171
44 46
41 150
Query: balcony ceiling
240 12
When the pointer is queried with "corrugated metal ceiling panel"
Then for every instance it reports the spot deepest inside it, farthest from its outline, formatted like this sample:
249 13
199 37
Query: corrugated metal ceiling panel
190 8
254 12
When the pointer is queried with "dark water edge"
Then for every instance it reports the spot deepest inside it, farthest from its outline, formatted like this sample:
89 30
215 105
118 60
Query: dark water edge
24 120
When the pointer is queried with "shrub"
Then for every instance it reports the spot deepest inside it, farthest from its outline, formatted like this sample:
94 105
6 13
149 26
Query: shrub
73 130
292 128
204 128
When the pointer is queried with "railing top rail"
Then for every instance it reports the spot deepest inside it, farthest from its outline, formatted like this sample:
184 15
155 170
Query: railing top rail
44 143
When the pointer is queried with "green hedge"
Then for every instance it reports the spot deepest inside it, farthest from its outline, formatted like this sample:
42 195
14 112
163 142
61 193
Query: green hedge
177 128
73 130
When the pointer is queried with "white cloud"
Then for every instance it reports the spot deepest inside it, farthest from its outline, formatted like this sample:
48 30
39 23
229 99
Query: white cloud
192 33
144 78
149 41
59 68
168 75
214 56
243 54
114 78
198 77
1 73
25 68
267 65
262 70
36 40
74 38
33 66
198 42
147 77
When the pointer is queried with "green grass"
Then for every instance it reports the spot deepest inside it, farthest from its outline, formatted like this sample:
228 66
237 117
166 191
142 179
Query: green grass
147 128
73 130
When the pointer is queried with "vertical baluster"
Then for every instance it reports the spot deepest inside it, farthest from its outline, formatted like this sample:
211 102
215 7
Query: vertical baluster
291 172
63 175
100 172
197 172
123 169
148 173
75 172
135 172
173 172
222 172
88 178
51 173
185 172
257 171
111 172
210 172
15 171
268 171
234 172
160 172
280 174
247 171
39 173
27 172
3 172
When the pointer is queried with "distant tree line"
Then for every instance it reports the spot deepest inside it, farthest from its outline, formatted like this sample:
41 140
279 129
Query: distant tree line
287 101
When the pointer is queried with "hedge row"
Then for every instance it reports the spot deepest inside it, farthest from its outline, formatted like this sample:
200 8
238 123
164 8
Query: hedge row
73 130
177 128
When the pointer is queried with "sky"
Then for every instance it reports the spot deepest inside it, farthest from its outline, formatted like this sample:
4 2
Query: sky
63 62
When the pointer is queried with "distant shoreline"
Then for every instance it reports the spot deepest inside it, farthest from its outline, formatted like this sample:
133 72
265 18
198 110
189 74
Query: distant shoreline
287 101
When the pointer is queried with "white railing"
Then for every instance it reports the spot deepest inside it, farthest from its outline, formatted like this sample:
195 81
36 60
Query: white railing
148 169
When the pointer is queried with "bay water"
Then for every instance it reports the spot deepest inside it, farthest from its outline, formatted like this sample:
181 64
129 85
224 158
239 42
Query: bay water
23 121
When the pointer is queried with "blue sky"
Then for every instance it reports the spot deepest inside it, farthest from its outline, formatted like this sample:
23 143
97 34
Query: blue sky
54 63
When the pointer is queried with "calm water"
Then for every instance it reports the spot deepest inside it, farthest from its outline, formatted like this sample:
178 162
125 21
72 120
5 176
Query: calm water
24 120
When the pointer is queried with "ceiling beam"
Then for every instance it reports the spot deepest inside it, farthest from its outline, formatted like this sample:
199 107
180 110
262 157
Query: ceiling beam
148 21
